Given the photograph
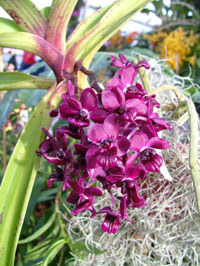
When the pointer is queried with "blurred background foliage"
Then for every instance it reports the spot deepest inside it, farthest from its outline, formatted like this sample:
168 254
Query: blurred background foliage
176 41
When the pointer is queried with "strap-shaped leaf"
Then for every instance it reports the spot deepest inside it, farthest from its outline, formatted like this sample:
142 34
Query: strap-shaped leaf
8 25
86 25
53 250
27 16
20 174
59 16
17 81
36 45
6 106
40 231
121 12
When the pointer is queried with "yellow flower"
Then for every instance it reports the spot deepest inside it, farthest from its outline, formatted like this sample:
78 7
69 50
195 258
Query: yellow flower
175 46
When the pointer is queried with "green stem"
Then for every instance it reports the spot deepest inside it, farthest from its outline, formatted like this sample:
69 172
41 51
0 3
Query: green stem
4 148
62 226
193 154
144 77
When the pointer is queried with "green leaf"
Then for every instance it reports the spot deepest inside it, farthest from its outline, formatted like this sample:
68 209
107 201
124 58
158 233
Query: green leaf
47 194
59 16
121 12
31 98
54 250
20 11
20 174
36 45
84 26
40 231
7 106
78 246
8 25
17 81
46 11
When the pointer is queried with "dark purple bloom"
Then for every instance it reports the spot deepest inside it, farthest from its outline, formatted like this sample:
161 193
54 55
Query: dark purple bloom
107 144
111 221
56 177
134 200
82 198
141 144
78 113
114 100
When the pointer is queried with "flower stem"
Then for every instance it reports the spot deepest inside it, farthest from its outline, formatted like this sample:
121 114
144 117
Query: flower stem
193 155
62 226
144 77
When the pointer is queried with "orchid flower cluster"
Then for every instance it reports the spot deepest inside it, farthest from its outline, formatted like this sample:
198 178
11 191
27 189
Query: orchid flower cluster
116 133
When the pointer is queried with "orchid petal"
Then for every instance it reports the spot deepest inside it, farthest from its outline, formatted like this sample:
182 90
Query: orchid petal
109 100
96 133
138 141
89 99
158 143
111 127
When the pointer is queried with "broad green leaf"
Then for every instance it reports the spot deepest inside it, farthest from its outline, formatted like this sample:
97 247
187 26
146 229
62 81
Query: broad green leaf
8 25
86 25
20 11
17 81
40 231
7 106
20 173
31 98
60 13
121 12
46 11
36 45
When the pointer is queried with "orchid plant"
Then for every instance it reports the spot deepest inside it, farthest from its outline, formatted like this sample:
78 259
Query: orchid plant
116 128
117 134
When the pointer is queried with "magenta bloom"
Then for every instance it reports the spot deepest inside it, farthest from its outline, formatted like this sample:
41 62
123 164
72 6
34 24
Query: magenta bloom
115 101
111 221
141 144
108 144
82 198
79 113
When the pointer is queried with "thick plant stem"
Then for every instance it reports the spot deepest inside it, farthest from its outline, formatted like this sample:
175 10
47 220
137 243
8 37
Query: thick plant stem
193 155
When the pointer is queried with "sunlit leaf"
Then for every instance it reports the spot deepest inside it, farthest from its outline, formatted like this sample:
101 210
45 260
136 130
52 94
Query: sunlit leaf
121 12
8 25
20 11
20 174
60 13
36 45
17 81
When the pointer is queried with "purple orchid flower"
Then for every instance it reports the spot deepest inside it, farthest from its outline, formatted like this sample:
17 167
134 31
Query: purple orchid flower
107 144
82 198
111 221
55 150
115 100
80 113
141 144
